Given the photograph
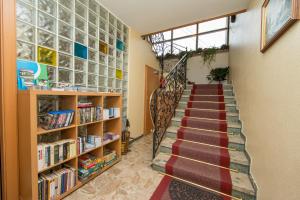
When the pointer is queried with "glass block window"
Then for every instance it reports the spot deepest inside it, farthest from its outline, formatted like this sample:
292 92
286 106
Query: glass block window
82 43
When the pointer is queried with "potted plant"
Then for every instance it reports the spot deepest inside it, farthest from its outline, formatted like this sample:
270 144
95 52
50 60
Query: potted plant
209 55
218 74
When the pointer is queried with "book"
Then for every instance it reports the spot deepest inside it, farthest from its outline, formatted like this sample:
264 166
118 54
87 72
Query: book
55 183
57 119
53 153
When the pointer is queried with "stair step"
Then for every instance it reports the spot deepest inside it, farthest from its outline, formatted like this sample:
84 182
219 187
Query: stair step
229 107
225 86
230 117
236 141
226 92
241 183
234 128
227 99
238 159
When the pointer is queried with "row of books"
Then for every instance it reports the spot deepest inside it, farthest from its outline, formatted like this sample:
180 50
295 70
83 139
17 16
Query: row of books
109 136
57 119
89 113
109 157
52 153
88 142
89 165
51 185
111 113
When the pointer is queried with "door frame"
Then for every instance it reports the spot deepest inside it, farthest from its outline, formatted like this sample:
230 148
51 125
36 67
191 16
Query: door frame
145 95
8 101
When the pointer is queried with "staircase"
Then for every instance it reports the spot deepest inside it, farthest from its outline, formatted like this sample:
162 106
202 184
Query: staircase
202 154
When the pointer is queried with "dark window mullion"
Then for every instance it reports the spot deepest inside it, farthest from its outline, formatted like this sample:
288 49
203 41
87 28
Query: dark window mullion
197 36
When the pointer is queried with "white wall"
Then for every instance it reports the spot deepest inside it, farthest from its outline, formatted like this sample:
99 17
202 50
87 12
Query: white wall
197 71
140 54
267 88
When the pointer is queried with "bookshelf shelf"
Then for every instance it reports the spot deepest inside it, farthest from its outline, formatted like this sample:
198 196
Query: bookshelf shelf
60 163
89 123
41 131
31 135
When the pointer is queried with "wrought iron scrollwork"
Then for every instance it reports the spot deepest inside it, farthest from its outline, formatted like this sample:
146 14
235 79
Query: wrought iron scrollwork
165 99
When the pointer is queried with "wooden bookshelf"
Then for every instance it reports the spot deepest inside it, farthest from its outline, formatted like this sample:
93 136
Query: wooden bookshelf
29 131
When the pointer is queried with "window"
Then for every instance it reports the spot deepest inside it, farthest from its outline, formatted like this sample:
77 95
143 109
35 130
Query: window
212 25
185 31
210 34
189 43
216 39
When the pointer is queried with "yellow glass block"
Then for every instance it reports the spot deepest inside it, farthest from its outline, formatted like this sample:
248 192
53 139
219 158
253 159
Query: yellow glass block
119 74
103 47
46 56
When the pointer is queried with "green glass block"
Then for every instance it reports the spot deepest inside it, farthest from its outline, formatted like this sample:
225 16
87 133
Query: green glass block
46 56
119 74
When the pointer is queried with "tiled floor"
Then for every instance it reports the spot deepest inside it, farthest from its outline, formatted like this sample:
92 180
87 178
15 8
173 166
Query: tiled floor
130 179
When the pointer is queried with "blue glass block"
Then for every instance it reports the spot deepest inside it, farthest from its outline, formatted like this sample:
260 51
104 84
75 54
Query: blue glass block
120 45
80 50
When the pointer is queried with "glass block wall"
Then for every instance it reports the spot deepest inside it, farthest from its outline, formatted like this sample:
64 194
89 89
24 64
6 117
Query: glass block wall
81 42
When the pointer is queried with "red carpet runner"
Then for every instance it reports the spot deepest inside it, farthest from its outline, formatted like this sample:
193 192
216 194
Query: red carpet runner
201 141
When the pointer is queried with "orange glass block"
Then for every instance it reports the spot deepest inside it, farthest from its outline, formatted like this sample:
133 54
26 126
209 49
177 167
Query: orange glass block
47 56
119 74
103 47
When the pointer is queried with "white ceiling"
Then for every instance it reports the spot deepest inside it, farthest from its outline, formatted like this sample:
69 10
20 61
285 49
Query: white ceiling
147 16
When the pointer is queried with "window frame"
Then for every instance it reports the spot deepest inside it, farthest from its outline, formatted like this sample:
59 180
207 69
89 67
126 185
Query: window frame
172 40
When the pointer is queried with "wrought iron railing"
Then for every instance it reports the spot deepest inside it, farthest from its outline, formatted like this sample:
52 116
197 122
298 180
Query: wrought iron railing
165 99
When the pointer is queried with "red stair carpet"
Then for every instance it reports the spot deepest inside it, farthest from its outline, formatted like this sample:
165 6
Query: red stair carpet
200 155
